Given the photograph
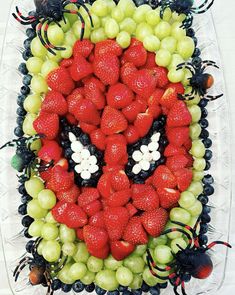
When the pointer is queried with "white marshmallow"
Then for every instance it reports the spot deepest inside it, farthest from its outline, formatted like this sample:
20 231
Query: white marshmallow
136 169
137 156
144 149
85 175
156 155
76 146
93 168
85 164
148 157
92 160
78 169
85 154
76 157
155 137
145 165
72 137
153 146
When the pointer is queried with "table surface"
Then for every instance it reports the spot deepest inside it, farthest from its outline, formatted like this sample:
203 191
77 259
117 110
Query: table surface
225 26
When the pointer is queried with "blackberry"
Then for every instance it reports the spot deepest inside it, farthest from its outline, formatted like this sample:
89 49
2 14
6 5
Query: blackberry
78 287
21 112
56 285
27 221
23 69
66 288
22 210
90 288
186 277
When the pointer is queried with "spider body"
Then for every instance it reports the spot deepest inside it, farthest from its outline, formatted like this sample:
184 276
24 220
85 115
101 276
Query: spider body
51 11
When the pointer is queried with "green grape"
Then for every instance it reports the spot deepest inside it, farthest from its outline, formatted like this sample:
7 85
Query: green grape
71 17
77 271
32 103
106 279
34 186
104 20
143 30
193 222
193 101
181 242
69 249
83 12
196 209
35 228
82 253
149 278
47 199
49 218
127 6
145 255
100 8
187 77
198 175
37 48
111 5
128 25
162 30
175 60
49 231
186 47
28 124
134 263
198 149
67 234
140 250
199 164
196 188
195 131
187 199
51 251
178 17
41 246
118 14
77 28
175 76
152 17
177 32
65 24
69 38
55 34
64 276
163 58
88 278
180 215
137 282
96 21
111 263
95 264
140 12
151 43
124 276
98 35
111 28
162 254
195 112
153 242
34 64
34 210
39 85
169 43
173 235
48 66
167 14
57 58
123 39
36 145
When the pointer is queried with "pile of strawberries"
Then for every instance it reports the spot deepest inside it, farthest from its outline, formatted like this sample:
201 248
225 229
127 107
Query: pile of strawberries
114 95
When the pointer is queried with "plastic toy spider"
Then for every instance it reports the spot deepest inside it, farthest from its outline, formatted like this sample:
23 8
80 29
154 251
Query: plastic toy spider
193 260
200 80
186 7
40 270
48 11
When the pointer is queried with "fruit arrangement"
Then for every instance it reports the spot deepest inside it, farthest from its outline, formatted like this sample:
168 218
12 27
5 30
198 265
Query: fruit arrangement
113 146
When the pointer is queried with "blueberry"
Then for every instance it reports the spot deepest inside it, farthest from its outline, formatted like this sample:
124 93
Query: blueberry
27 79
92 149
99 291
196 61
78 287
163 141
23 69
56 285
122 288
66 288
116 292
208 155
65 144
27 221
21 99
197 52
22 210
154 291
203 240
90 288
163 285
84 138
127 292
190 32
26 234
207 143
140 2
203 199
203 103
204 113
27 43
145 288
25 90
204 134
68 152
19 121
186 277
21 112
136 291
195 40
30 33
25 199
205 218
208 190
204 123
206 209
208 166
21 189
204 228
26 54
29 246
208 179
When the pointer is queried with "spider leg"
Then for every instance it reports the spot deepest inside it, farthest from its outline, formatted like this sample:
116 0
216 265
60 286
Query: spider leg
36 244
187 22
26 18
175 290
39 33
198 10
211 245
208 63
81 18
214 97
175 229
22 264
164 5
186 66
153 264
49 283
183 288
48 43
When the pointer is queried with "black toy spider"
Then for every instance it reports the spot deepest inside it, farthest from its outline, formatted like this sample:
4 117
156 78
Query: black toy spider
40 270
186 7
200 81
193 260
48 11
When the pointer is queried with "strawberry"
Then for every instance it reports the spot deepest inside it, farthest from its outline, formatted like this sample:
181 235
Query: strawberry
150 62
98 139
71 119
100 253
80 68
70 195
66 63
135 42
115 152
119 96
104 185
73 99
60 180
60 80
95 238
63 163
116 138
172 150
154 111
178 87
131 209
54 102
120 198
184 178
79 234
143 102
136 55
112 121
178 136
87 112
188 144
83 48
97 219
135 233
106 68
143 123
126 72
75 216
47 124
132 134
94 91
155 98
154 221
121 249
131 111
50 151
116 220
190 160
108 47
175 163
87 128
169 98
59 211
168 197
92 208
144 197
179 115
119 180
88 196
161 75
163 177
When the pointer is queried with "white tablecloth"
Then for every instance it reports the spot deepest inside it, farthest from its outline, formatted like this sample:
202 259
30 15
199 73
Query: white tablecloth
223 12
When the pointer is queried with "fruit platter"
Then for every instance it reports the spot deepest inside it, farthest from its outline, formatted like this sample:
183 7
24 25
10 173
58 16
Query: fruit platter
115 148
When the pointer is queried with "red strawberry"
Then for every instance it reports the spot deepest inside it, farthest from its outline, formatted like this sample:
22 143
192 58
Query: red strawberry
101 253
161 75
80 68
97 219
190 160
135 42
131 209
73 99
79 234
92 208
104 185
60 80
121 249
154 111
172 150
169 98
184 178
98 139
50 151
132 134
120 198
75 216
59 211
94 91
143 123
178 136
179 88
115 152
63 163
154 221
135 233
119 96
69 196
168 197
150 62
143 103
47 124
188 144
54 102
136 55
106 68
116 220
107 47
131 111
60 180
87 128
155 98
163 177
71 119
95 238
83 48
175 163
144 197
126 72
88 196
116 138
112 121
179 115
119 180
66 63
87 112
